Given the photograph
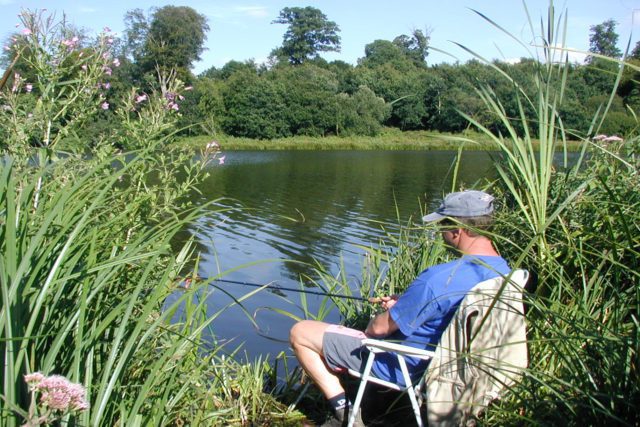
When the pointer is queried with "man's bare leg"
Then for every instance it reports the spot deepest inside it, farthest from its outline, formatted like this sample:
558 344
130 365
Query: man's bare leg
306 341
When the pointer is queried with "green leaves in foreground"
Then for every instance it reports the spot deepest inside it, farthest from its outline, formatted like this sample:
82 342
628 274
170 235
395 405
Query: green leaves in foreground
84 290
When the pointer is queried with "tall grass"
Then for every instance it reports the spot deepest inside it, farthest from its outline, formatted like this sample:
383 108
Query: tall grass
576 228
85 298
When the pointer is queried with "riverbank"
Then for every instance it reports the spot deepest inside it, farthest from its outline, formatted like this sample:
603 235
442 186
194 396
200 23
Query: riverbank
389 139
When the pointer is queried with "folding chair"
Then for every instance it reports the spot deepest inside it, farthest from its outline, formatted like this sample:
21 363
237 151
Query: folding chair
468 368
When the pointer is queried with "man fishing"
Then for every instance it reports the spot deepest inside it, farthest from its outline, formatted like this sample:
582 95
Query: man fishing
416 318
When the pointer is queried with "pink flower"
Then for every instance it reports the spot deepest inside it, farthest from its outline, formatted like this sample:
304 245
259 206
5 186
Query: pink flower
116 62
613 138
7 47
221 160
174 106
104 105
106 29
28 87
33 380
71 43
59 393
599 137
213 145
141 98
106 85
84 67
26 31
107 70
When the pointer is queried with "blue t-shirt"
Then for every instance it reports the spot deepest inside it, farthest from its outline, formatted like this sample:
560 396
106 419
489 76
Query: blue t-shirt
424 311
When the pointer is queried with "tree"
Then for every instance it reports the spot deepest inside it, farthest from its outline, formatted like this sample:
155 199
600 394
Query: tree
381 52
603 40
309 33
361 113
415 47
173 38
309 96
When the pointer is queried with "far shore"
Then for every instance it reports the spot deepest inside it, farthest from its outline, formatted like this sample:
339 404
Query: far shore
389 139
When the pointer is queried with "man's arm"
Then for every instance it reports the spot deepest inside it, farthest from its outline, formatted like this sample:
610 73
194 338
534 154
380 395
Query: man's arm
383 325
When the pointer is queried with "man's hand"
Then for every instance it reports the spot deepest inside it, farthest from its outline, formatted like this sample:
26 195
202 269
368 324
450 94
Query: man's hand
386 302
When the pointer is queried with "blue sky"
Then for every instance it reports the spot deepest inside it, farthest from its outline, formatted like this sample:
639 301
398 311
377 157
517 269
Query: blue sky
242 29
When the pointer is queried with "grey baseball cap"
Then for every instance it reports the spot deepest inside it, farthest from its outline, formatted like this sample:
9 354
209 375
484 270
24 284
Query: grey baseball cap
462 204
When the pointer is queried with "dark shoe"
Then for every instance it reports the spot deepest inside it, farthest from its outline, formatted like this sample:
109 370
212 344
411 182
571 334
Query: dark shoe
341 419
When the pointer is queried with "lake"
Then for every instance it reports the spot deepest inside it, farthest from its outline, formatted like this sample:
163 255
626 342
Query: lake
278 212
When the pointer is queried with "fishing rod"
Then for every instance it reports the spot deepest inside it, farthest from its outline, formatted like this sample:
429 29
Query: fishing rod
372 300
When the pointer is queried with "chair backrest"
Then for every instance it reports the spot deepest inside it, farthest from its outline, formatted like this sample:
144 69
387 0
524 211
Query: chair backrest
482 351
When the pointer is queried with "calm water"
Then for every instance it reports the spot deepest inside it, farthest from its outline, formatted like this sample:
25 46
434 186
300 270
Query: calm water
278 211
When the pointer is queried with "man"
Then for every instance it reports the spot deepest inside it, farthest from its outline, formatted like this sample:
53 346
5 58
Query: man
416 318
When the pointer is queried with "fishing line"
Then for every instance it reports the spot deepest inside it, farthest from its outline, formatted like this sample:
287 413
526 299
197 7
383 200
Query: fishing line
284 288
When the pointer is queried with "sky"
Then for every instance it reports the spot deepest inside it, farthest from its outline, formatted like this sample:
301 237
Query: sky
242 30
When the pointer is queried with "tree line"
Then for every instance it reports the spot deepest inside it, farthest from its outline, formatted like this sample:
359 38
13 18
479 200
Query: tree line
297 92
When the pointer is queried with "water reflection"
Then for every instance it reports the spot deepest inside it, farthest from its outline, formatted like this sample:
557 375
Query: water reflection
277 213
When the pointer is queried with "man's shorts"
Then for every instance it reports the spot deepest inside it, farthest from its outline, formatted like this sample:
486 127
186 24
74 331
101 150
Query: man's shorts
342 348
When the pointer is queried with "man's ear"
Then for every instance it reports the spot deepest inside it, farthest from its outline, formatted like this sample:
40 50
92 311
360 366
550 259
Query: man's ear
457 232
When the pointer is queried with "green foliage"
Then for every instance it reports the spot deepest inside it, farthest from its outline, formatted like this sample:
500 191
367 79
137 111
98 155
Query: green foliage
309 98
309 33
254 107
603 39
171 39
89 273
65 90
361 113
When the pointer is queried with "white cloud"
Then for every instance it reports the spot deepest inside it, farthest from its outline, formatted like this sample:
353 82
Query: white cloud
253 11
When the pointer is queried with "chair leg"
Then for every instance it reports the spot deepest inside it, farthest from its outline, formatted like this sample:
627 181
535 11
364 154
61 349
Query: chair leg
410 391
363 383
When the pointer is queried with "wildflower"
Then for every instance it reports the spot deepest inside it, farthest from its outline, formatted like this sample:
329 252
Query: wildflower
174 106
116 62
84 67
71 43
33 380
221 160
188 88
106 85
140 98
213 145
107 70
26 31
28 87
106 29
109 40
61 394
599 137
613 138
7 47
104 105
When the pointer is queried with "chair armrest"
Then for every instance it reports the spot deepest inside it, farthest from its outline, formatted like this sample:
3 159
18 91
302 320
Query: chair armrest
379 346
